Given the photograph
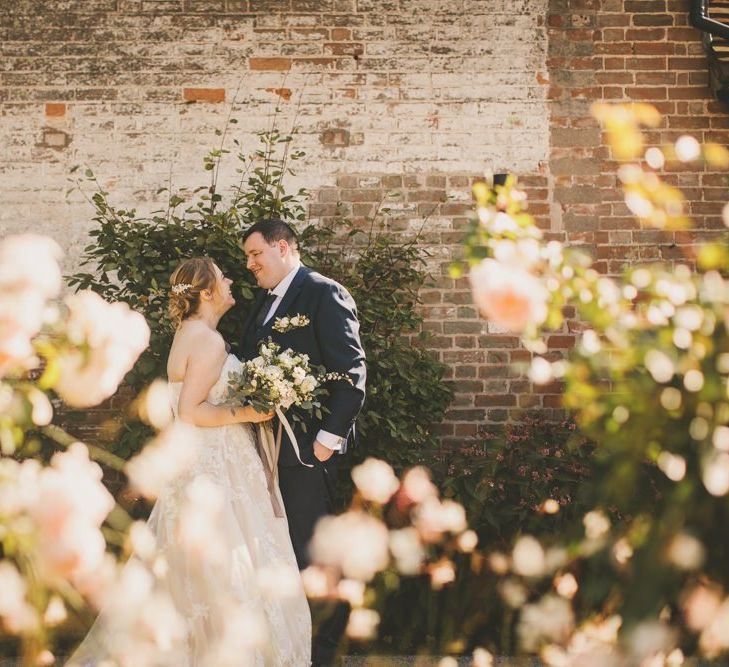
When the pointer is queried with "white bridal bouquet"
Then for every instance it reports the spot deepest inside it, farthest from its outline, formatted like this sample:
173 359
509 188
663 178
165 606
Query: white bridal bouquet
277 380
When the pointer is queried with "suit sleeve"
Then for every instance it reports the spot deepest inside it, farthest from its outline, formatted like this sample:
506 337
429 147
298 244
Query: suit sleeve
337 332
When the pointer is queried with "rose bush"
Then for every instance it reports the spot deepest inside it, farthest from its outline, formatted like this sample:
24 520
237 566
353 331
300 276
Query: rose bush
634 573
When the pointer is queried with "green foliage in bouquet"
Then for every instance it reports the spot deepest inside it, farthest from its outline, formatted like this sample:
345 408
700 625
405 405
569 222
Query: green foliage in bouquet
131 257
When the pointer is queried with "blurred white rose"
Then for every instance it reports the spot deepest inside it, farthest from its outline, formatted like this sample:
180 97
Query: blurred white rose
18 486
416 485
30 262
163 459
512 592
16 613
432 518
482 658
244 638
352 591
649 638
317 582
108 339
362 624
442 573
528 557
540 371
375 480
686 552
160 621
549 620
142 625
279 581
715 473
55 612
354 542
155 405
596 524
498 562
566 585
407 550
199 529
142 540
467 541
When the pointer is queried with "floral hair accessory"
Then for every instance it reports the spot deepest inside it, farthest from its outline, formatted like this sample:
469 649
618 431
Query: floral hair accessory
181 288
284 324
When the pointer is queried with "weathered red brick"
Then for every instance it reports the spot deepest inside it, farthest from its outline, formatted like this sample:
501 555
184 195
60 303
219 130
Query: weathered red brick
212 95
270 64
55 109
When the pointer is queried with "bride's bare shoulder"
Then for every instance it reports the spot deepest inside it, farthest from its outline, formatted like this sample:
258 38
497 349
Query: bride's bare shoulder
193 339
194 333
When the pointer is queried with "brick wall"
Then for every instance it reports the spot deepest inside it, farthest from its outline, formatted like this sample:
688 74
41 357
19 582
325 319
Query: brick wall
414 96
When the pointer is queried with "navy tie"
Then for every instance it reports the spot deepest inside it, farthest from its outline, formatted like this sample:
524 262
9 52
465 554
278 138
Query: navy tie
265 307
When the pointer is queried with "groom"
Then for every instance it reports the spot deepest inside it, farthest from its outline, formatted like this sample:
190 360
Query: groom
331 339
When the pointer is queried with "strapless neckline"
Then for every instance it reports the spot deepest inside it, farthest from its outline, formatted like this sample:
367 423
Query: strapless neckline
228 356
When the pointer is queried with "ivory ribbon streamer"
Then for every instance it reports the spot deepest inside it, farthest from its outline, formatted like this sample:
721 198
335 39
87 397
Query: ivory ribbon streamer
292 437
269 450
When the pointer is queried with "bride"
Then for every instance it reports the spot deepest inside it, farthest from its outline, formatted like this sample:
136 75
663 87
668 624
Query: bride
225 586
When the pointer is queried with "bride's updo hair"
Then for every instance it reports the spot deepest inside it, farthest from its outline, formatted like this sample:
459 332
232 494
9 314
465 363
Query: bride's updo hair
187 281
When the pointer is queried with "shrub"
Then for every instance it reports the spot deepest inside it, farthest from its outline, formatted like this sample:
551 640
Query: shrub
130 258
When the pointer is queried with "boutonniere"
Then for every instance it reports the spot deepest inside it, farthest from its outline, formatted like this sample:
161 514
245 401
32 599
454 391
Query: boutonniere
284 324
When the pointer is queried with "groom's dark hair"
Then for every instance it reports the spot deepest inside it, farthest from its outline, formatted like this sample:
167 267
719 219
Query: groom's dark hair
273 230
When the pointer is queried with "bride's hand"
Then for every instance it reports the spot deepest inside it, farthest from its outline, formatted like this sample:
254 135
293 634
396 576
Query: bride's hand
252 415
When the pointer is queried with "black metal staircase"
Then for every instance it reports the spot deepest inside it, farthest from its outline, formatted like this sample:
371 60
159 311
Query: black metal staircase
712 18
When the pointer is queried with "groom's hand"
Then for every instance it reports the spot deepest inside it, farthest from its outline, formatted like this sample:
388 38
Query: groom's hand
321 452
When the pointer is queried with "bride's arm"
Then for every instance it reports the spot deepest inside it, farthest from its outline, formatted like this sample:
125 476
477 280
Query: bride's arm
202 372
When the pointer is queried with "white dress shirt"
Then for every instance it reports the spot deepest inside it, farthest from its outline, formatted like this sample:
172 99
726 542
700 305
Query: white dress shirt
329 440
280 290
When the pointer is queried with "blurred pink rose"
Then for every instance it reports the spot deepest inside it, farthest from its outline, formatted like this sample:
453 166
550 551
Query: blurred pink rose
701 606
29 276
107 338
68 509
508 294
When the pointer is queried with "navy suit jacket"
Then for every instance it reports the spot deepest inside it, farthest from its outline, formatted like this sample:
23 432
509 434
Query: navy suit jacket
331 339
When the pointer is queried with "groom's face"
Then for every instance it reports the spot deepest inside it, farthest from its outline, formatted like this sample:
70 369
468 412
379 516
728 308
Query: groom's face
267 262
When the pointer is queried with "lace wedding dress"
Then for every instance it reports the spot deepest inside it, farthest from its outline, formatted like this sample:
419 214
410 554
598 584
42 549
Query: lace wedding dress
231 597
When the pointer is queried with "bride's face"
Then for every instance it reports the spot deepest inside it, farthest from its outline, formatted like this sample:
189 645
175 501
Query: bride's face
222 298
